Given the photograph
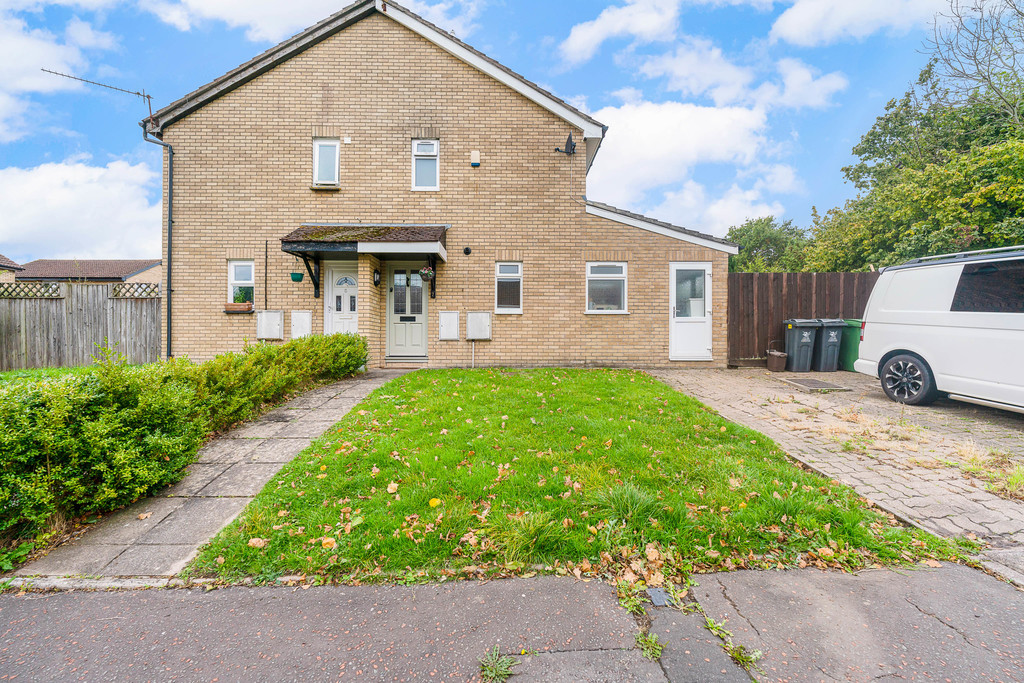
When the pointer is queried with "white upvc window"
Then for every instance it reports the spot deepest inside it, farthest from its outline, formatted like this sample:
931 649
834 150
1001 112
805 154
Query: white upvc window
508 287
606 288
426 165
241 282
325 161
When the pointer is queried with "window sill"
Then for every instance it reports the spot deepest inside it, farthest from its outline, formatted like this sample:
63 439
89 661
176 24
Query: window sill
426 189
508 312
239 309
325 188
606 312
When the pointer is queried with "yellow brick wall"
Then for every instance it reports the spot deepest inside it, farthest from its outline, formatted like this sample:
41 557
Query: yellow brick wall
154 274
7 276
243 166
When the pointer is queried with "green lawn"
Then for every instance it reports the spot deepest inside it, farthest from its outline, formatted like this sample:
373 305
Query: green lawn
33 374
465 471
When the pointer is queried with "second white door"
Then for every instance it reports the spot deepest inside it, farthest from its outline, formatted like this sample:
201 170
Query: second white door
690 324
407 313
341 303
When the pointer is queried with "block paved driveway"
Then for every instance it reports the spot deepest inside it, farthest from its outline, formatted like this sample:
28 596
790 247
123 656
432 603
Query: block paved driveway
155 538
894 455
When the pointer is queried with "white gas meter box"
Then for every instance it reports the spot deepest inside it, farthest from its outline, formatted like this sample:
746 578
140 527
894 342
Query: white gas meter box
270 325
448 326
302 324
478 325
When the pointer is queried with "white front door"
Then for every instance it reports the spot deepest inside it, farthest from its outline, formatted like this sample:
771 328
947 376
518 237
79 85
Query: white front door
341 300
407 312
690 298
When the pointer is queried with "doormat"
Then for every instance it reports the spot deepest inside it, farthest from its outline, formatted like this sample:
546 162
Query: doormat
808 385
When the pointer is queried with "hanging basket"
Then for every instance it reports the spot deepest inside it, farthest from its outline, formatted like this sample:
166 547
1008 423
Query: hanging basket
427 273
297 277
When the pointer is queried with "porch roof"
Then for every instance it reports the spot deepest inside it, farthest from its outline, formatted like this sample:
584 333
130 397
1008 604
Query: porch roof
373 238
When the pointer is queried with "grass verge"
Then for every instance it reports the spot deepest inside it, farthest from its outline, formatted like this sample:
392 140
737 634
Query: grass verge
491 472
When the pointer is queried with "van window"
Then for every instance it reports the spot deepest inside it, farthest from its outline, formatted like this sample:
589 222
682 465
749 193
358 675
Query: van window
991 288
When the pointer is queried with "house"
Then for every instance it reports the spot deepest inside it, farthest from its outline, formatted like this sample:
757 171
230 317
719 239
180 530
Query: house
84 270
8 269
317 187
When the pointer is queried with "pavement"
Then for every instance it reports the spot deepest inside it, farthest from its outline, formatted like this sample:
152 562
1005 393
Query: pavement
148 543
947 624
894 455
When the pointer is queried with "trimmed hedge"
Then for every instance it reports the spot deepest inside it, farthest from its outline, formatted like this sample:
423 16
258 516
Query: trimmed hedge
93 442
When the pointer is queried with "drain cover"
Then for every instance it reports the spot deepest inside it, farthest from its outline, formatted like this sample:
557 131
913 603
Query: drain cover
811 385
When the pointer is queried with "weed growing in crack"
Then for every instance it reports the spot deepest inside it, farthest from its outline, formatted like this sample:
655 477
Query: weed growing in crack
496 667
631 597
739 653
649 645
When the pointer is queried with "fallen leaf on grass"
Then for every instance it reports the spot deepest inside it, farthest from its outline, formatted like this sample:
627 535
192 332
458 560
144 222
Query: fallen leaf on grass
329 543
257 542
392 487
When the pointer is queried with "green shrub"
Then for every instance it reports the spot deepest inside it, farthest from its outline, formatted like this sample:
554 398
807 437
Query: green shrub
83 443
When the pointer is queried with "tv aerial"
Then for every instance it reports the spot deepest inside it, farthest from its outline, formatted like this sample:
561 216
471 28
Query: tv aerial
143 95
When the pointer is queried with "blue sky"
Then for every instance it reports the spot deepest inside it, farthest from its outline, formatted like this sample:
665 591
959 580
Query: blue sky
719 110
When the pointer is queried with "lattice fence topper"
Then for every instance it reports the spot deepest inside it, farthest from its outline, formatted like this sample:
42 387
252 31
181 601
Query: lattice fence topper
135 290
30 290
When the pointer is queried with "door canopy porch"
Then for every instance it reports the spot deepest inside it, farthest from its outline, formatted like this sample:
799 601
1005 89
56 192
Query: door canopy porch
312 242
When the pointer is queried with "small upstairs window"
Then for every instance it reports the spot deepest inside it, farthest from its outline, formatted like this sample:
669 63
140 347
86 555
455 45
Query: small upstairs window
425 165
325 161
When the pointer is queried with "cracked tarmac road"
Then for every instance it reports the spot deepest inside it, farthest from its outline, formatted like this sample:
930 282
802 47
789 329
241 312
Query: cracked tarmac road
947 624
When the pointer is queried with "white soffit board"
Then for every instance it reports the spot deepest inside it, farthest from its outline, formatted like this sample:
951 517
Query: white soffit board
661 230
590 130
403 248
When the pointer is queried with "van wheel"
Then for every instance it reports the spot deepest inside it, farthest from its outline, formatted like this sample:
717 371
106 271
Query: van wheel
908 379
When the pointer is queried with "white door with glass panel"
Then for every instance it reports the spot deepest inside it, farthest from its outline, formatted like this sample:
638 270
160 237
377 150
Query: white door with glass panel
407 313
690 327
341 313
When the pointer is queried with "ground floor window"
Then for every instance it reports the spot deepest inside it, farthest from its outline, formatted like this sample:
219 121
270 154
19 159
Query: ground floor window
606 287
508 288
241 282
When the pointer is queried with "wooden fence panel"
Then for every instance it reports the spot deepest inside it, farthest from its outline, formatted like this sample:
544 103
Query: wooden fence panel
759 302
63 326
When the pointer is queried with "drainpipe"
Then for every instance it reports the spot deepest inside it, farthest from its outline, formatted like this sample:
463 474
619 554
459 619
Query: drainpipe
170 222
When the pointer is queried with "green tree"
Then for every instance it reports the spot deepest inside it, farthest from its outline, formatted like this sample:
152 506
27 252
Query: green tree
767 246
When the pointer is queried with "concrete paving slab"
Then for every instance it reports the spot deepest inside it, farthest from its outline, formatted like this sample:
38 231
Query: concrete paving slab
195 522
73 560
602 666
692 654
225 450
952 623
150 560
258 430
306 428
371 633
278 450
125 527
241 479
197 476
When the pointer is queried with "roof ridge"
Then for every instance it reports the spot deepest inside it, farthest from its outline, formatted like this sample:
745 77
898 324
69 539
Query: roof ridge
655 221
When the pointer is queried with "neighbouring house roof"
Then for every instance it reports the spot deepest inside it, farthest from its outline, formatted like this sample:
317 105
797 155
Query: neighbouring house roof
107 270
8 264
661 227
593 130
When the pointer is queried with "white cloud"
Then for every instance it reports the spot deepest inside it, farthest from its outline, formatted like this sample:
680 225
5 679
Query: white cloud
644 20
801 86
652 145
692 207
24 51
273 20
698 67
81 34
820 22
79 211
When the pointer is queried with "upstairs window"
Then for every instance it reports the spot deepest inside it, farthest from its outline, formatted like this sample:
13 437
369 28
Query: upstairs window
606 288
241 282
508 288
325 161
425 165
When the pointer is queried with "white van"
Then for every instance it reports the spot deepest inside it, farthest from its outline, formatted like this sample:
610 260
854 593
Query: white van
949 324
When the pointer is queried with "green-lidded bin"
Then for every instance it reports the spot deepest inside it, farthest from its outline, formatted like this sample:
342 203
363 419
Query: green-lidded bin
849 350
826 346
800 335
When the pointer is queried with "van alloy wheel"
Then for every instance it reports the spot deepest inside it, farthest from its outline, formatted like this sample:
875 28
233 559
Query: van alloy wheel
904 379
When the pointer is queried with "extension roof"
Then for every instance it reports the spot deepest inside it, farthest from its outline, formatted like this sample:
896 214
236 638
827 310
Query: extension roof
593 130
107 270
640 221
8 264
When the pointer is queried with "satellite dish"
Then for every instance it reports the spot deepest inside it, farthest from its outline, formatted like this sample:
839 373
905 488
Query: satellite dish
570 146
